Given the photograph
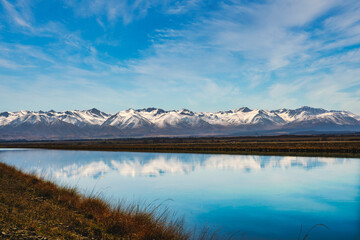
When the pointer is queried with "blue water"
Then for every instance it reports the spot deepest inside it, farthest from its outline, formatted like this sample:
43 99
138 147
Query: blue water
262 197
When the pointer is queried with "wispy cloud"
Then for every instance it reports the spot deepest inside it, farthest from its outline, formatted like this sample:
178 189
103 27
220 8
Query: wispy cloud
180 7
128 11
244 47
4 63
264 55
19 15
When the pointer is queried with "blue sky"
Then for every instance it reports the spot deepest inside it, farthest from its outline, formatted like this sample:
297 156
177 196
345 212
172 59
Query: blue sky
196 54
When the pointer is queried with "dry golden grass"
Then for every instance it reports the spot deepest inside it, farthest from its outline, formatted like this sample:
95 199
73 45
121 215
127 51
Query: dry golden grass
32 208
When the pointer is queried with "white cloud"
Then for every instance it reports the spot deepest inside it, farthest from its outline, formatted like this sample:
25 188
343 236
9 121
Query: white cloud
346 22
126 10
181 7
20 17
4 63
231 48
267 55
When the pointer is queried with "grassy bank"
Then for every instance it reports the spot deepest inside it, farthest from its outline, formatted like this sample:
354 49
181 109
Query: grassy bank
327 145
32 208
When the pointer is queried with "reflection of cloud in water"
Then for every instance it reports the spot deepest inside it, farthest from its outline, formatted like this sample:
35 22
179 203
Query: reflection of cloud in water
154 167
174 165
94 169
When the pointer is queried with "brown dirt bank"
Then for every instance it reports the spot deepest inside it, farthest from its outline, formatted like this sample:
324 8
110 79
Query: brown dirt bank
31 208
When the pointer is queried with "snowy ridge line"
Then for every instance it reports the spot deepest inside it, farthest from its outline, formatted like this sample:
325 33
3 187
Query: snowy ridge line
154 116
158 122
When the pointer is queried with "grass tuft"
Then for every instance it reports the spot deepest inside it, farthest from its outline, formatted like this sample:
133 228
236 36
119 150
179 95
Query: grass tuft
32 207
36 206
310 230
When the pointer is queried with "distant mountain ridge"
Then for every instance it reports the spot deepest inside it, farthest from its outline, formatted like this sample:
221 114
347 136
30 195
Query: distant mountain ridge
148 122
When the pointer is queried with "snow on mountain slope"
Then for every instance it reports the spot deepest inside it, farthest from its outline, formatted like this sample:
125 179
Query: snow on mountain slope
23 117
242 116
77 118
156 118
181 118
303 113
85 117
127 119
154 121
307 114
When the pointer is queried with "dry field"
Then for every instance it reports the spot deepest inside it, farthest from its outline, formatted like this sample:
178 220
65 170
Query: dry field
325 145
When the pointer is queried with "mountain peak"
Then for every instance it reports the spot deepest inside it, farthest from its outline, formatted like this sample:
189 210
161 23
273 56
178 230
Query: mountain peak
186 112
305 108
157 122
95 111
151 109
243 109
4 114
311 110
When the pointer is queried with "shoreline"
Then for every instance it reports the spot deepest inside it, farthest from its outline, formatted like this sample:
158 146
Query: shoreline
322 146
34 208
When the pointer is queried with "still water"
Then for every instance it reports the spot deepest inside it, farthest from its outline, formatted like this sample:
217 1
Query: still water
262 197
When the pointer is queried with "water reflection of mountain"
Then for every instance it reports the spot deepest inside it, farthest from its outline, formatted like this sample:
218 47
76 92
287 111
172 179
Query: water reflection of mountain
95 164
162 165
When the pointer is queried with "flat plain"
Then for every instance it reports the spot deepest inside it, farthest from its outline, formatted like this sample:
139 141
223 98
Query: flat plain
292 145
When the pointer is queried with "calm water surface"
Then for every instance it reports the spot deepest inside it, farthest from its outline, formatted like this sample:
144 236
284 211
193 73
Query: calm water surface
264 197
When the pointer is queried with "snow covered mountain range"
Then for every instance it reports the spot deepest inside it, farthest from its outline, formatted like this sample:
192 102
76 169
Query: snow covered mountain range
157 122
